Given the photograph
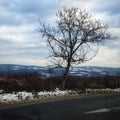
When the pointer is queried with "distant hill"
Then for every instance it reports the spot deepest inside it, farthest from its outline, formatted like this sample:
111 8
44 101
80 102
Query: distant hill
77 71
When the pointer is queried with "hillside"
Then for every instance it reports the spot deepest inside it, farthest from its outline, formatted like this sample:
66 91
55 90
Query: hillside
76 71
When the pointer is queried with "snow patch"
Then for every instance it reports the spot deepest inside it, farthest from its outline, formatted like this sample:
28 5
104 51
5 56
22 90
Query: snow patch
18 96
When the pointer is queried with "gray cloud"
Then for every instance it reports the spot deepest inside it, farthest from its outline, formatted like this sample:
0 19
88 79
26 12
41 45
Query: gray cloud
18 42
110 6
4 42
15 49
21 12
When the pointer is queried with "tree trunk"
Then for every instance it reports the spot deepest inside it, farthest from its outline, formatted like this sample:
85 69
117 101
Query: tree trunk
64 82
65 76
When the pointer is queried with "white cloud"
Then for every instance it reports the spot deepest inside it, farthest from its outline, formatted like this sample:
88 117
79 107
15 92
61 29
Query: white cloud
16 33
21 44
25 61
105 57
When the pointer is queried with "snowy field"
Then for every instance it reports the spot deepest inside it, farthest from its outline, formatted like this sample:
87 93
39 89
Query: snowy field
17 97
24 96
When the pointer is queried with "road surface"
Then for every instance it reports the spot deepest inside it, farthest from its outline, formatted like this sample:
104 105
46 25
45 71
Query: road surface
99 107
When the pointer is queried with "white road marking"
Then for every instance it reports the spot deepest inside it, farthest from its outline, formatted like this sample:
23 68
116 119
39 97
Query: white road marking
102 110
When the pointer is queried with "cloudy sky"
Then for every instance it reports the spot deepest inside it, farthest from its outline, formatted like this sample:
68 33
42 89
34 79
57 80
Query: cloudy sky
21 44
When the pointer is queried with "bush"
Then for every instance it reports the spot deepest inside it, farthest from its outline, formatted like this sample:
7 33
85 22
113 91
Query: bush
33 82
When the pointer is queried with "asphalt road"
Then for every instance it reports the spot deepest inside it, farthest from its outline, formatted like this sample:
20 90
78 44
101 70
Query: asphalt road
81 108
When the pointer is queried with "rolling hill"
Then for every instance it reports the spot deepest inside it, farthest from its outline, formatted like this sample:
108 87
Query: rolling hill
77 71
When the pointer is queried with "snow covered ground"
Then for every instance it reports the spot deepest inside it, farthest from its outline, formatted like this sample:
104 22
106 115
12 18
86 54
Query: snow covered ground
22 96
107 90
26 96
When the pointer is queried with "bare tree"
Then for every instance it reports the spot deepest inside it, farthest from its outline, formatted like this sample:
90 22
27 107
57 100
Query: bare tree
72 38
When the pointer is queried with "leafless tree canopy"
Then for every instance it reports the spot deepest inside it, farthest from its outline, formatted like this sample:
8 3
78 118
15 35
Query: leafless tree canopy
73 38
